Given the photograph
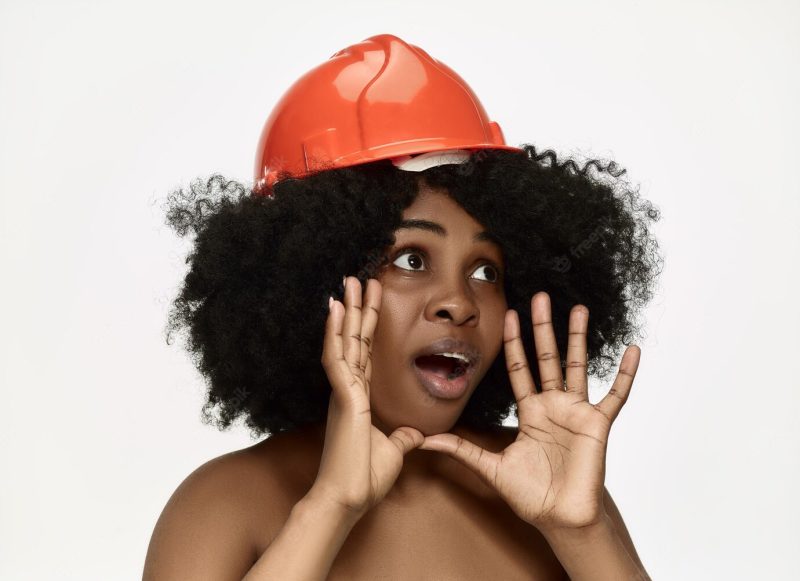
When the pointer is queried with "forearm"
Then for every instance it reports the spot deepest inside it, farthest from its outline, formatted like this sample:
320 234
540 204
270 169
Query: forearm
594 554
306 546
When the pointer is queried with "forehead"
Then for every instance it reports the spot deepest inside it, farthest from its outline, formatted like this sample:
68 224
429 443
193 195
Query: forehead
435 211
437 205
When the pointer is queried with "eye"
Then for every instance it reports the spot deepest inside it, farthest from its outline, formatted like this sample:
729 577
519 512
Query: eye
411 252
493 276
414 258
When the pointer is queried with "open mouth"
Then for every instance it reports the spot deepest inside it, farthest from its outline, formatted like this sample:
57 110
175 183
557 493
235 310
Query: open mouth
442 365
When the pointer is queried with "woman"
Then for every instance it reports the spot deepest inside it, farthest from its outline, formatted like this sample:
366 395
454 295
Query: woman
386 457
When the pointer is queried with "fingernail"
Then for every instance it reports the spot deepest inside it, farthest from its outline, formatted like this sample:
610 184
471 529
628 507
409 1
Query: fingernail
330 304
344 281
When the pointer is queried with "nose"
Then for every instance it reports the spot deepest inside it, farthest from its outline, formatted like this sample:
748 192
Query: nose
454 302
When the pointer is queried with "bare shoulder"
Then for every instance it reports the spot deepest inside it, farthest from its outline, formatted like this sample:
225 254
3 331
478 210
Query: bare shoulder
222 515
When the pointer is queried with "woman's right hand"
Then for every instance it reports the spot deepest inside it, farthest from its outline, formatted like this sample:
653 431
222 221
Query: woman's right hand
359 463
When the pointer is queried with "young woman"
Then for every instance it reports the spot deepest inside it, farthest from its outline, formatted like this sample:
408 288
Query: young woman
471 272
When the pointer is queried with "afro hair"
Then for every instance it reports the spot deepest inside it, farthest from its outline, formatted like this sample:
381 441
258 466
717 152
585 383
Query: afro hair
254 300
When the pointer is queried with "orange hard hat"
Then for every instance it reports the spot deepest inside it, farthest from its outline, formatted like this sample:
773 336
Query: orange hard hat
379 99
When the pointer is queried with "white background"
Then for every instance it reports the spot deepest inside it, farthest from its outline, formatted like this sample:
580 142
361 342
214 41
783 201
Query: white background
107 106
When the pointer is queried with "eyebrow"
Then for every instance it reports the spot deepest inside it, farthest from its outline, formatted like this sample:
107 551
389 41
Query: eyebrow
440 230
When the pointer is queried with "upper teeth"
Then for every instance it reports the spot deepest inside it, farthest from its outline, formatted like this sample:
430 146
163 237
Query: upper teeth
461 356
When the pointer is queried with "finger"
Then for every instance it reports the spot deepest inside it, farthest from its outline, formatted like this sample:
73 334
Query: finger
519 373
368 373
545 341
406 439
479 460
332 343
577 380
612 403
351 333
369 320
332 351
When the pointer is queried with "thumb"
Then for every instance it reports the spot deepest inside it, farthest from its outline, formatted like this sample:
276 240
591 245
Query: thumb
406 439
479 460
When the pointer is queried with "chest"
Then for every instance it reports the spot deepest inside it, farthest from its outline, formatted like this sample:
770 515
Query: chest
445 541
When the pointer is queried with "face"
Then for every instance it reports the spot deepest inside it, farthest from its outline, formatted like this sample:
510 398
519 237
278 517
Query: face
444 279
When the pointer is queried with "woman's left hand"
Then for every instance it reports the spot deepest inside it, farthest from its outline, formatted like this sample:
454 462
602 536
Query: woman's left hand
552 476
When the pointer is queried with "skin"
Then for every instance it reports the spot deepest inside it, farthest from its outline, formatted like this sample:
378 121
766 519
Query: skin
451 286
436 284
552 473
459 516
439 284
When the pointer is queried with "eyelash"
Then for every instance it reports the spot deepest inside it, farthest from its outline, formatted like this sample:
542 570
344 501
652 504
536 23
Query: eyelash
415 250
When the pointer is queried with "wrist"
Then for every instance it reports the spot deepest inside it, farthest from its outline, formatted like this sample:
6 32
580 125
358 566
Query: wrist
602 527
318 503
593 552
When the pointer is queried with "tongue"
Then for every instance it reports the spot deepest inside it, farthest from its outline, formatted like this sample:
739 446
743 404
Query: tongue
438 364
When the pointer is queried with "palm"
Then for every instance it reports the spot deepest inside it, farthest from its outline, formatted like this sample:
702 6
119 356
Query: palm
553 471
359 463
386 462
552 475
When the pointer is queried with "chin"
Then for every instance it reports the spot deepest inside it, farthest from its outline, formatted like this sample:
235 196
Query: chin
412 404
422 412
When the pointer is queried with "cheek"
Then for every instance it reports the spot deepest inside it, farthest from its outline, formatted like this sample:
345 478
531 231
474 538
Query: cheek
381 341
496 326
396 308
385 337
390 339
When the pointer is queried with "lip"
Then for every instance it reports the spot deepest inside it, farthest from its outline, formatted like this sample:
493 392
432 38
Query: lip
451 344
440 387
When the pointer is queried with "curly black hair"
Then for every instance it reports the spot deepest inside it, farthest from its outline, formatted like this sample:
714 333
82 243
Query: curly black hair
263 264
